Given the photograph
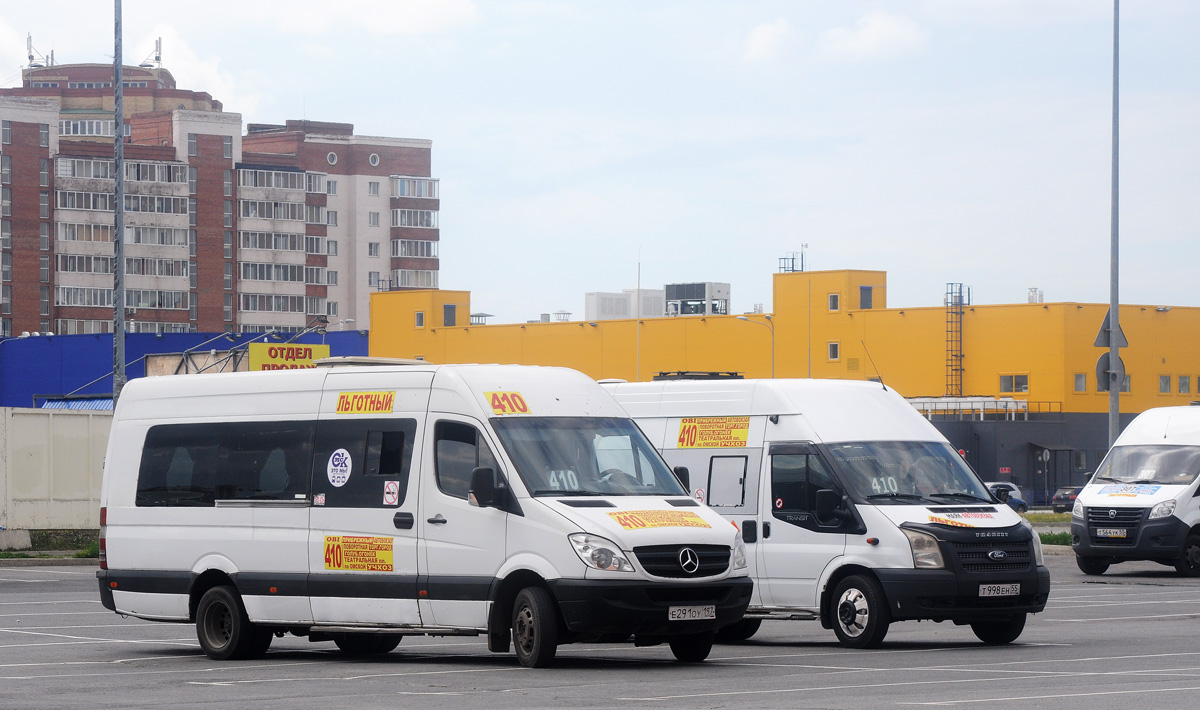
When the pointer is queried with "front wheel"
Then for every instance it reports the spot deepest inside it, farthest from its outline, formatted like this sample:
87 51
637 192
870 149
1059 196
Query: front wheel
535 627
738 632
691 648
223 629
1093 566
1001 631
367 644
1188 563
1022 509
860 613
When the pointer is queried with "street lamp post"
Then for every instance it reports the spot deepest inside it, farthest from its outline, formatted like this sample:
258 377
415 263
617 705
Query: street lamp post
342 323
769 326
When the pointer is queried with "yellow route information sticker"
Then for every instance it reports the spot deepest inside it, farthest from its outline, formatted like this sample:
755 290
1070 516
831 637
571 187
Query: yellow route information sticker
365 402
637 519
947 521
507 402
358 553
713 432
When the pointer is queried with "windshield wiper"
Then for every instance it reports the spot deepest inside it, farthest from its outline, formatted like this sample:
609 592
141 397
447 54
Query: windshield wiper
567 494
959 495
906 496
1106 478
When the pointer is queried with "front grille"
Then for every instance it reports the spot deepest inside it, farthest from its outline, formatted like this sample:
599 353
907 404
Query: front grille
973 556
663 560
1128 519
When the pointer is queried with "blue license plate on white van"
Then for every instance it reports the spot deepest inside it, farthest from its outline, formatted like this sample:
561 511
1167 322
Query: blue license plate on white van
1000 590
691 613
1110 532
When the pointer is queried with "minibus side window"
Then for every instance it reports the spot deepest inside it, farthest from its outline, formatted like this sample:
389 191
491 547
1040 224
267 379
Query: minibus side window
459 448
177 467
356 459
264 461
727 481
795 480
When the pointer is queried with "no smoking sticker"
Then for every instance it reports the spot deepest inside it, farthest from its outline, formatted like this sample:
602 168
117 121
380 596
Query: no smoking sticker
699 494
778 502
391 492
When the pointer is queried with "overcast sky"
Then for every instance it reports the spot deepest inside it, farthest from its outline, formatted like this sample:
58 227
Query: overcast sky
939 140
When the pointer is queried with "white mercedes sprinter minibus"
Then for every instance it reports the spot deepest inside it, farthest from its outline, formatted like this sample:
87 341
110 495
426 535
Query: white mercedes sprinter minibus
358 503
855 509
1142 503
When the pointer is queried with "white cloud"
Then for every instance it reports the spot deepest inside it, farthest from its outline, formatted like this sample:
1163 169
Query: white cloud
766 39
875 35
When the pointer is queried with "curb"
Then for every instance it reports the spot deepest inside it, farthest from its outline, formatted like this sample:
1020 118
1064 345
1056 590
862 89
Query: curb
49 562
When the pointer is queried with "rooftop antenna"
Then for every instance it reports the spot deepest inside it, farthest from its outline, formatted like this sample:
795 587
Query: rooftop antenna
873 366
154 59
36 58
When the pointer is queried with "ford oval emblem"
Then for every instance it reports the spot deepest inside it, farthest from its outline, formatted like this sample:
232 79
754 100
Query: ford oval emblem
998 555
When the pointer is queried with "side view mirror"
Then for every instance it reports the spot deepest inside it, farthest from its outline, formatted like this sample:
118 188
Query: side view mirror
681 473
1001 494
482 493
829 506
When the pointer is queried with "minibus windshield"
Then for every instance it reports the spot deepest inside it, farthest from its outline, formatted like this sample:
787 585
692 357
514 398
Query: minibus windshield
1149 464
584 456
907 472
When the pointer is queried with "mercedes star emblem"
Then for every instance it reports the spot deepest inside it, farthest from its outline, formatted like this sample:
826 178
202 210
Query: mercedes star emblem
689 560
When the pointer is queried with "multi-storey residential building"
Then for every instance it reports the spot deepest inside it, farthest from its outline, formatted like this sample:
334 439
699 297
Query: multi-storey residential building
302 224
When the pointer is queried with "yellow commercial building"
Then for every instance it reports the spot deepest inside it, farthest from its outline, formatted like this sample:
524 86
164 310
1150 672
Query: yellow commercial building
1023 372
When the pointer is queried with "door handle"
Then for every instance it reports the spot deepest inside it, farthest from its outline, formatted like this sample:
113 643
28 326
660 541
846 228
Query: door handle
437 520
403 521
766 530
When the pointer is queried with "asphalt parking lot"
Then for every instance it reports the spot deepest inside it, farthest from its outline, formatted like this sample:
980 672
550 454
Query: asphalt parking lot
1121 640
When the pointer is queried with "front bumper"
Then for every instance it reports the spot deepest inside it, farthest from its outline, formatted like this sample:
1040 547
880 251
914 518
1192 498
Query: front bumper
1160 539
945 594
639 607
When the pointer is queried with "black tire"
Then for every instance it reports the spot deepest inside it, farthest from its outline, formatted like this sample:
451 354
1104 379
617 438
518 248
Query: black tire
1094 566
736 633
1022 509
260 643
1188 563
367 644
535 627
691 648
860 612
224 630
999 631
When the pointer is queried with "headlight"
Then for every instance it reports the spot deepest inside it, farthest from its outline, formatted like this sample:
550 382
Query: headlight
1162 510
1077 509
600 553
925 551
738 557
1038 559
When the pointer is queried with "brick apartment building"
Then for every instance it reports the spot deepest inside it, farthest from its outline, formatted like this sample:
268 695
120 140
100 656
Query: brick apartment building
224 231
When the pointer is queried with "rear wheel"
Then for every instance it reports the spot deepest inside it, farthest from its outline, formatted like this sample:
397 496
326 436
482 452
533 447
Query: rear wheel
367 644
860 613
222 627
999 631
691 648
535 627
1092 565
1188 563
736 633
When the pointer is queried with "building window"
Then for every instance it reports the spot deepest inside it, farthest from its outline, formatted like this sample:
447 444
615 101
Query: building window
229 183
228 217
1185 384
373 219
44 298
372 278
44 236
227 313
449 315
331 308
5 267
372 248
331 247
414 187
1164 384
5 169
228 245
331 158
5 132
1102 384
44 172
1079 460
228 275
192 144
44 205
835 351
834 302
373 188
227 146
191 181
331 186
373 159
314 182
1080 382
1014 383
6 300
192 211
331 218
6 234
866 297
44 268
192 243
420 319
415 218
331 278
6 201
44 135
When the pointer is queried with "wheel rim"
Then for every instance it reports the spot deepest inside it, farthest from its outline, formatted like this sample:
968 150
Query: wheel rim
524 631
853 612
218 624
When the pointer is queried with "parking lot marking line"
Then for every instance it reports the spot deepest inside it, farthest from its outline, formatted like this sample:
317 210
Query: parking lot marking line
61 601
58 613
780 691
323 679
1011 698
1127 618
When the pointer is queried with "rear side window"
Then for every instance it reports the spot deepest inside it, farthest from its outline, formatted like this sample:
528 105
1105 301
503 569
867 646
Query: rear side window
362 463
197 464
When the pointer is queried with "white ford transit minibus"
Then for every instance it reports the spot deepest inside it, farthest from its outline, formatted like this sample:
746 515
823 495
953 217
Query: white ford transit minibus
1142 503
358 503
855 509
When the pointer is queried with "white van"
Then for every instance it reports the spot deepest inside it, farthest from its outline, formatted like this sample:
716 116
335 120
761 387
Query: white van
855 509
358 503
1142 504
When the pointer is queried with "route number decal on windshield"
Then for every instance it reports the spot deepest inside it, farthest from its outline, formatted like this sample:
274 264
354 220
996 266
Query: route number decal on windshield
507 402
884 484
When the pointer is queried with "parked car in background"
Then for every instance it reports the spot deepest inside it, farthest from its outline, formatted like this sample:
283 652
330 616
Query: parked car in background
1009 493
1064 498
